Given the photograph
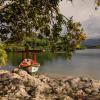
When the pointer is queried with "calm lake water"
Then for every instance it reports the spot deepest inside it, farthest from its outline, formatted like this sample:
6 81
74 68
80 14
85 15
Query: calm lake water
83 63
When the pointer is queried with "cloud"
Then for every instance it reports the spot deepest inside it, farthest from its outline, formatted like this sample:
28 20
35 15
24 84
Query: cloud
92 27
84 12
80 9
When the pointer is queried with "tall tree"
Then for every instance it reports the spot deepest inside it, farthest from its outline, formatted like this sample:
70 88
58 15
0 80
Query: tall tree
34 18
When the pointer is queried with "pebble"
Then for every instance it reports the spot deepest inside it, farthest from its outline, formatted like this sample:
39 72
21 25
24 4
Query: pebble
22 86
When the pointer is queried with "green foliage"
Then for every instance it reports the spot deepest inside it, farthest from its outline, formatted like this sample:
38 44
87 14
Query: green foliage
3 55
97 2
35 22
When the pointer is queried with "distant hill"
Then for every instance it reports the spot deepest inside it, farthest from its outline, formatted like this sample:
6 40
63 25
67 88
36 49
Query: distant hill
92 42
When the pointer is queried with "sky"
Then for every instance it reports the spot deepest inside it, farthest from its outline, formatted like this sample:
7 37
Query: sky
84 12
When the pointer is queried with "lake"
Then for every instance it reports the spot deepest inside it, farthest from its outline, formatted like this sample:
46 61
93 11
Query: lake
83 63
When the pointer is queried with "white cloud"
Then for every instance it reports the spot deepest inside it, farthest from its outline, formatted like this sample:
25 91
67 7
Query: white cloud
83 11
80 9
92 27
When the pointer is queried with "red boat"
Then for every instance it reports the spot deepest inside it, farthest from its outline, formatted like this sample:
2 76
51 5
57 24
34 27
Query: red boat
30 65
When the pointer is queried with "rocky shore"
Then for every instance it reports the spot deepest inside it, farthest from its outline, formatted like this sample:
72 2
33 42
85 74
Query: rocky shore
19 85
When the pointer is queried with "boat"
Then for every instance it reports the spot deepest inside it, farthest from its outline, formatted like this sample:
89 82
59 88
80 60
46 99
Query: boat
30 65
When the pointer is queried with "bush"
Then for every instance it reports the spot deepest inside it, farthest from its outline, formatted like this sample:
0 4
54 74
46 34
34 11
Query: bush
3 54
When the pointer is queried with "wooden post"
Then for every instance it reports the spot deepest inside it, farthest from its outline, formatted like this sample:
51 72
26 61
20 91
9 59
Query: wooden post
35 61
23 54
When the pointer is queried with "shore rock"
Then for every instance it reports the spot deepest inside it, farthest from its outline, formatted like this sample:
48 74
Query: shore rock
19 85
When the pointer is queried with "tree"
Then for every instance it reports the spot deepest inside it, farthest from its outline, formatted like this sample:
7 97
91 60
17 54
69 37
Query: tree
35 18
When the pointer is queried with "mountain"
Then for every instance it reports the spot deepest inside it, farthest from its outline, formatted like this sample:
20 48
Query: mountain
92 42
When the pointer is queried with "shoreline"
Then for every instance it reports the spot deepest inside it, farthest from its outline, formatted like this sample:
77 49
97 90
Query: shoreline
55 75
19 85
59 75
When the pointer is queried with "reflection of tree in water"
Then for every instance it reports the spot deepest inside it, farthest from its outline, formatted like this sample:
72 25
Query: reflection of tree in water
14 58
49 57
42 57
27 49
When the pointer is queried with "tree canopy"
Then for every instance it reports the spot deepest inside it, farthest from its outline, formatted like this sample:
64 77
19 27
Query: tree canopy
20 19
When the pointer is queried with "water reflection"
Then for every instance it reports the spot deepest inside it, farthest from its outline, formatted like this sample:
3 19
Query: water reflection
84 62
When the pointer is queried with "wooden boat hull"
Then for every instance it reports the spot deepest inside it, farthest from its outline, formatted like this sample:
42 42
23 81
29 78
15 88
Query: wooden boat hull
34 68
